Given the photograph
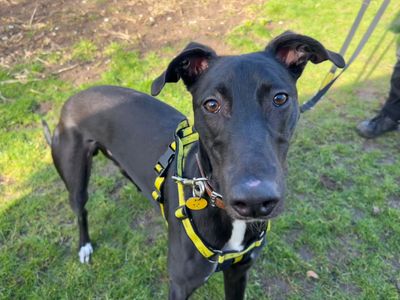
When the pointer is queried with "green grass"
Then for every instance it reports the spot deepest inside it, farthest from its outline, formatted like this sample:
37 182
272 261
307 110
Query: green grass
336 181
84 51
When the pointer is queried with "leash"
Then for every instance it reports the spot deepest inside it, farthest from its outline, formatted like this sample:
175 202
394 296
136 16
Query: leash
378 61
347 41
382 38
330 79
185 137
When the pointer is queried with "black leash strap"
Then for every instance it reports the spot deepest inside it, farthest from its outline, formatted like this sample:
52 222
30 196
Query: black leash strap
378 61
369 59
352 31
318 96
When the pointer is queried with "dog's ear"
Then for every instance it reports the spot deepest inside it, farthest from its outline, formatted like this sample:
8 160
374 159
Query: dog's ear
295 50
189 65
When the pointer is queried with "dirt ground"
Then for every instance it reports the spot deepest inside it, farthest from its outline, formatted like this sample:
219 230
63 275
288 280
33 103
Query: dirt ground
32 28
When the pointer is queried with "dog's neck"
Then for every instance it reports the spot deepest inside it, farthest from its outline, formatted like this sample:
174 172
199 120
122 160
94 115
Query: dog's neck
214 224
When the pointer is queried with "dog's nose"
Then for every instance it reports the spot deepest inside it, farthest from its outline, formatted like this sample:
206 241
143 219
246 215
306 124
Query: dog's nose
255 198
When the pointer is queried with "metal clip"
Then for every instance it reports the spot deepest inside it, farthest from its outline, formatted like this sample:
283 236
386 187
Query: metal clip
214 259
187 181
214 195
198 185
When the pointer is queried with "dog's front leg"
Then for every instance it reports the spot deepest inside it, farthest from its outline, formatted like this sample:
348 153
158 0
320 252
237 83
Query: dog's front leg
187 274
183 289
235 280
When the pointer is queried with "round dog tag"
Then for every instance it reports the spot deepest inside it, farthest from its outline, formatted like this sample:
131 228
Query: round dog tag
196 203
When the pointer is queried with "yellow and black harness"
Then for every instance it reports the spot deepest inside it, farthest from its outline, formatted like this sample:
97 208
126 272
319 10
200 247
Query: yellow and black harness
185 136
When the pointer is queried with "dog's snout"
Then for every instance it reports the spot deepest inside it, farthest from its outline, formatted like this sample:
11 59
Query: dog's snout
255 201
254 209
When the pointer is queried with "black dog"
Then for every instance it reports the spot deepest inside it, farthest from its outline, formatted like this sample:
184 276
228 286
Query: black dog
245 112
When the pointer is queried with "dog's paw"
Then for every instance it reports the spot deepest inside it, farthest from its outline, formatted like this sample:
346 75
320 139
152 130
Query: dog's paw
84 253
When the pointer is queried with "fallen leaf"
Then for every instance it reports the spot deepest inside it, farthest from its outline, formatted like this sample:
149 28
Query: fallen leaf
312 274
376 210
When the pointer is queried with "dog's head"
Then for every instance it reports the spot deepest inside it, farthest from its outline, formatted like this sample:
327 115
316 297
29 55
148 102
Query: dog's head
245 111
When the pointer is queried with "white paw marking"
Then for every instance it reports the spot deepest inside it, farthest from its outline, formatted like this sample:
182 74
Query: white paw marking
84 253
237 236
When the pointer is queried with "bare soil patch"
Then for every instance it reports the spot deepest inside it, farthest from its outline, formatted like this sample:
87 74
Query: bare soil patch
32 28
277 288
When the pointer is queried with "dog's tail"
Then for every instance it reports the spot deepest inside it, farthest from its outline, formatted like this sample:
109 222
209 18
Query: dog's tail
47 132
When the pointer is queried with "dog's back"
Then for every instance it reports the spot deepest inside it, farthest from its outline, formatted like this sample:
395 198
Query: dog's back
123 123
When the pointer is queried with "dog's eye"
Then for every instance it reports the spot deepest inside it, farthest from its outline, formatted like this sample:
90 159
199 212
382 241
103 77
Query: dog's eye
212 106
280 99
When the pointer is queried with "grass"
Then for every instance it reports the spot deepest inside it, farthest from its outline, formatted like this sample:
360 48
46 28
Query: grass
84 51
342 213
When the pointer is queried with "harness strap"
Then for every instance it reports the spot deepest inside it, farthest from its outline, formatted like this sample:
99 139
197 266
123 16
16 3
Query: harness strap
184 138
161 168
185 134
187 224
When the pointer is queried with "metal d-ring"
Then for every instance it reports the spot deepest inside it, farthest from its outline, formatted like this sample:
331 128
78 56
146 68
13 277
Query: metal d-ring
198 188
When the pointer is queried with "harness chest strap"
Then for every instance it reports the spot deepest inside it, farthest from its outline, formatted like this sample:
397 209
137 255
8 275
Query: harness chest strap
184 137
188 137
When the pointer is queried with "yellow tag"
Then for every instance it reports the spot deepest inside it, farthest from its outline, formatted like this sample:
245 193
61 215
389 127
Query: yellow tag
196 203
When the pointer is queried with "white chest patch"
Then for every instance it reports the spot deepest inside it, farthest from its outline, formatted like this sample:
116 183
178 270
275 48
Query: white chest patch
235 243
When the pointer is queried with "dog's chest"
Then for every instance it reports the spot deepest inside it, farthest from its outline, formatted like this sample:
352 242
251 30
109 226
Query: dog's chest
235 242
